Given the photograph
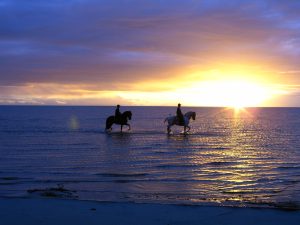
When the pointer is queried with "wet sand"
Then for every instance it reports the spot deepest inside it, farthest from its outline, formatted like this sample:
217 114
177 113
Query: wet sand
55 211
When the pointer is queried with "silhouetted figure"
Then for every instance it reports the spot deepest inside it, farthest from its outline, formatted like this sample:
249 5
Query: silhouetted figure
118 114
179 114
123 120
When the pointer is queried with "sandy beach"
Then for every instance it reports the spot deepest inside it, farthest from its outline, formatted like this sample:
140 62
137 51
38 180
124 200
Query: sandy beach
56 211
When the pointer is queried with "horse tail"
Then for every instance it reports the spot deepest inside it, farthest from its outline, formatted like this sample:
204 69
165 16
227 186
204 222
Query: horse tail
166 119
109 122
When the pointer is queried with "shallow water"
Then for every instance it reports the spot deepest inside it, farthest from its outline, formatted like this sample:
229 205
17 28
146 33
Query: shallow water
250 158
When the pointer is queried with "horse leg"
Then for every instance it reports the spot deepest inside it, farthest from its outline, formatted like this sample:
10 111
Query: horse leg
169 129
121 128
109 129
128 126
188 128
184 130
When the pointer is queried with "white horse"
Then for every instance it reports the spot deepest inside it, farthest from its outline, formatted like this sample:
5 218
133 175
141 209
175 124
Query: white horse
172 120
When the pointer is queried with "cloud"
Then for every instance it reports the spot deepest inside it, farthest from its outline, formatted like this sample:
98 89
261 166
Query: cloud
119 44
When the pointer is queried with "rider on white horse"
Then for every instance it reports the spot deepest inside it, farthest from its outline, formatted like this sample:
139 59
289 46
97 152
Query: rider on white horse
180 119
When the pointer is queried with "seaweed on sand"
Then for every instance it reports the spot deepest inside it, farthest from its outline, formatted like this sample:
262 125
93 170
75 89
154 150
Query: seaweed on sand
55 192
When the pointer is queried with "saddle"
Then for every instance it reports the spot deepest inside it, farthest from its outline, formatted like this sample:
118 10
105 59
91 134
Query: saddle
179 121
118 120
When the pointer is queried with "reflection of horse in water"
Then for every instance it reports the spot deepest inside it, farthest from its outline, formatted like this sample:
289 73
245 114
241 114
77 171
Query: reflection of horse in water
173 120
121 121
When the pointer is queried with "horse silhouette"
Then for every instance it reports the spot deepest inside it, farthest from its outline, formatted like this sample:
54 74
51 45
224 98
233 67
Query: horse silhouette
173 120
121 121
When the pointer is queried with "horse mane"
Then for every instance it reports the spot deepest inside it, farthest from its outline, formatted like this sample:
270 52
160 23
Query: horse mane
188 113
126 112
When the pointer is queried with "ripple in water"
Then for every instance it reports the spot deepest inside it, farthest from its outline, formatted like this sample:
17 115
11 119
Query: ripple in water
250 159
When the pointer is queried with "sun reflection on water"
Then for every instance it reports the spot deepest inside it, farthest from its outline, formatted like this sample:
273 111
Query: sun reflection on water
249 158
235 165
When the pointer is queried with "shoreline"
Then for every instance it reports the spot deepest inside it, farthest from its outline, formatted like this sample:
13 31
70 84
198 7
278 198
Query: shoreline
69 211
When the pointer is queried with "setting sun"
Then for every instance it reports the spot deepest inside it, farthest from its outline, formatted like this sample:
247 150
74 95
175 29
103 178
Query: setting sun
142 61
223 93
232 93
234 85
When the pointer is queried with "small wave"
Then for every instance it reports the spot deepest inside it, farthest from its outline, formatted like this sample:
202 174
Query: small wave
166 166
91 131
265 179
51 131
220 163
288 167
220 148
122 174
156 180
125 132
290 205
126 181
35 131
234 192
65 181
145 132
9 178
207 134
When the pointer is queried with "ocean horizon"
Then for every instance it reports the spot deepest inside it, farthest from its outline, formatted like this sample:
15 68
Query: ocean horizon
246 158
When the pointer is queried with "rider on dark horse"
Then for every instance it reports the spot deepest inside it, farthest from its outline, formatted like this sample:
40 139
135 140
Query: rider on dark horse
179 115
119 118
118 114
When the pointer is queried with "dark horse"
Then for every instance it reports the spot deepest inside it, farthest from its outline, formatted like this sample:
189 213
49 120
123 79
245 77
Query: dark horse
121 121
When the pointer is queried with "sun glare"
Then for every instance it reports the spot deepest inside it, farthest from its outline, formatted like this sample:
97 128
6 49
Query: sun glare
226 87
230 93
233 93
224 93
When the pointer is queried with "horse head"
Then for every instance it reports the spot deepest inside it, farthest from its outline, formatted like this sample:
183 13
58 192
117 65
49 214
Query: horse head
127 114
190 115
194 115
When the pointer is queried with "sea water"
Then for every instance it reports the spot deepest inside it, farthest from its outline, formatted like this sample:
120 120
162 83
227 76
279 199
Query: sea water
249 157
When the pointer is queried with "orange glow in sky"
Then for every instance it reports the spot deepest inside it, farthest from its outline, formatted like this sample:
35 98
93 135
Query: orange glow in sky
200 53
197 89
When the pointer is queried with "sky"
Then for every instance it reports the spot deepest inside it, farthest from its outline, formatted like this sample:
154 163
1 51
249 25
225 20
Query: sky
150 52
